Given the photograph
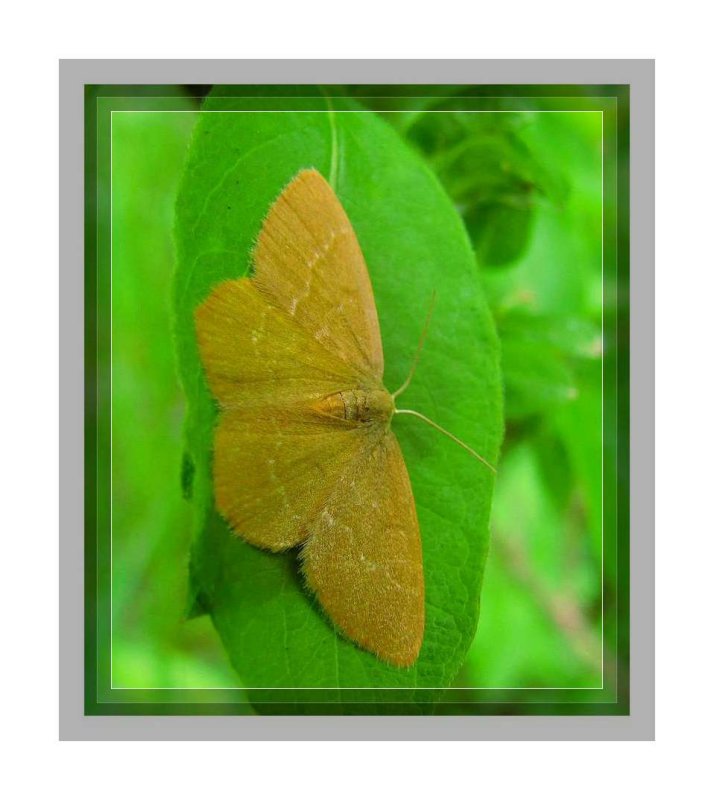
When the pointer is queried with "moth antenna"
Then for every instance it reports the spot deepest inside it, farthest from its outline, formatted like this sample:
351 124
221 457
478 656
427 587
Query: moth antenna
422 339
446 433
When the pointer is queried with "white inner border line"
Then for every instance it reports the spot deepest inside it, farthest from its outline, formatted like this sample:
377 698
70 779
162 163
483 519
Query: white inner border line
198 112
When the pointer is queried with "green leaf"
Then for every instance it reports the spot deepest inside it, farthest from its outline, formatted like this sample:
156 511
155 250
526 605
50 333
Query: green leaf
414 243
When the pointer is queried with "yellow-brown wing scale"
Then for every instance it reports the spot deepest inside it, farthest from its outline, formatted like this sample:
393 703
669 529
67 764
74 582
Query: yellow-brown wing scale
363 555
272 453
308 260
256 357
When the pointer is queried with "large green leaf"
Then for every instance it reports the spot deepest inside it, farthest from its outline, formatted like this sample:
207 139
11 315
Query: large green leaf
414 243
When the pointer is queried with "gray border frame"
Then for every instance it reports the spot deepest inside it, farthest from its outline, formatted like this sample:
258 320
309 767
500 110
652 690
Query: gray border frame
73 75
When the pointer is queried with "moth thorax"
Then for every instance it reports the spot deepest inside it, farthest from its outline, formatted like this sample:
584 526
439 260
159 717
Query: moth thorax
358 405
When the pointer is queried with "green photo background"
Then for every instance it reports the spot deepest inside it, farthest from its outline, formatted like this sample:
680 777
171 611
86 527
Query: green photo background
529 186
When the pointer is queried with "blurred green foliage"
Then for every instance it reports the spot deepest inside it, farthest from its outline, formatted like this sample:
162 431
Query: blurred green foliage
153 644
528 186
490 172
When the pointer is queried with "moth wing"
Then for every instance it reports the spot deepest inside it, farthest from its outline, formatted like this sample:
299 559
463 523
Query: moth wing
363 556
255 356
308 260
272 474
275 457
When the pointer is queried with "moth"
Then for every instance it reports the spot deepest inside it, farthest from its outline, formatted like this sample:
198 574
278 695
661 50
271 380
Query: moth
304 455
